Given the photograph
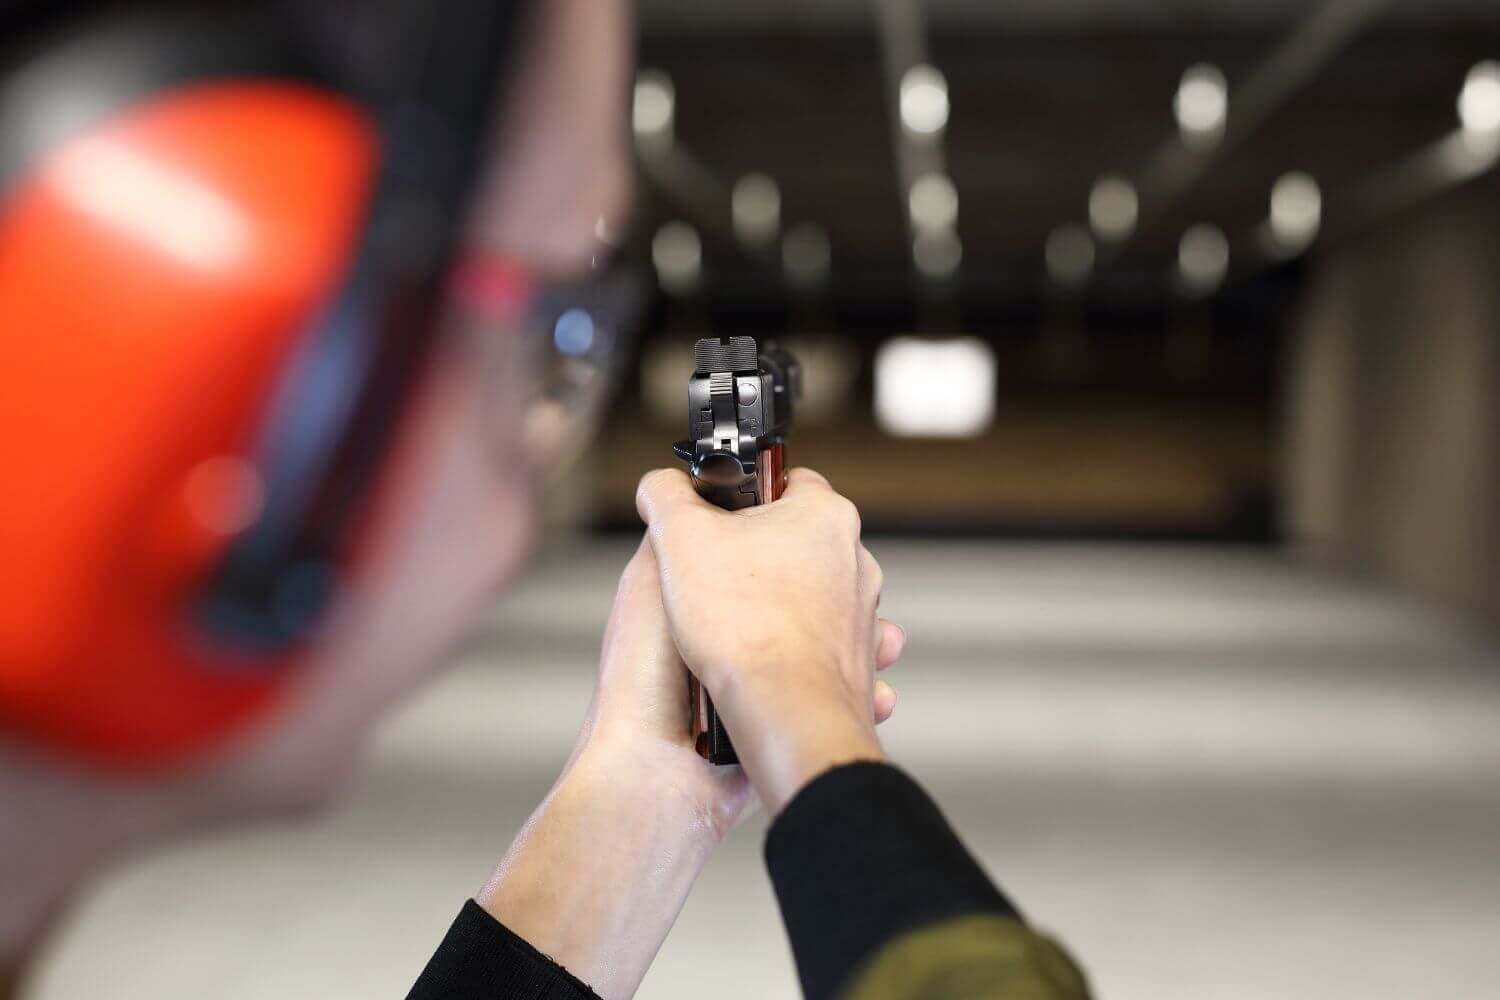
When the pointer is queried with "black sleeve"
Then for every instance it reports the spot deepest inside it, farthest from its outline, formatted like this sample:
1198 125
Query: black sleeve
861 855
482 959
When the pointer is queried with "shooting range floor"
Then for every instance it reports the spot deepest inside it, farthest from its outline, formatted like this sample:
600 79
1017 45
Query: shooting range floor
1213 774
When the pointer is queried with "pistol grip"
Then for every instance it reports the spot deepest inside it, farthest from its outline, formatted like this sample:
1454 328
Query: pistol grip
710 738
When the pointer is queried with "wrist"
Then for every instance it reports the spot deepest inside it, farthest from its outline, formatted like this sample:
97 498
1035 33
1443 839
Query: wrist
641 775
800 762
609 808
785 743
598 874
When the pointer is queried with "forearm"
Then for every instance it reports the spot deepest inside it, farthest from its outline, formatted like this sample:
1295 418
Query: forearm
599 873
872 882
977 957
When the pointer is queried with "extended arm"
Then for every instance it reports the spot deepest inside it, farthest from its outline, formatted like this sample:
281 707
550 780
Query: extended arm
598 874
880 898
882 901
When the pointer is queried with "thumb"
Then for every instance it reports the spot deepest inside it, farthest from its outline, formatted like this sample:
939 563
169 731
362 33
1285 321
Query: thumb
804 481
663 492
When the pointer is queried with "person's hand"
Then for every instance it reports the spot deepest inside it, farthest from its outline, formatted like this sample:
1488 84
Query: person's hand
638 722
773 609
600 871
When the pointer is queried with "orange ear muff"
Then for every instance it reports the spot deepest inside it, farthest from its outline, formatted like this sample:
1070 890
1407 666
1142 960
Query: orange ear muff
157 271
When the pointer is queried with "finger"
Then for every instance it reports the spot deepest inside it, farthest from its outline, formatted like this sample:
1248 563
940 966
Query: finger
890 643
871 576
638 604
804 480
885 701
662 491
642 563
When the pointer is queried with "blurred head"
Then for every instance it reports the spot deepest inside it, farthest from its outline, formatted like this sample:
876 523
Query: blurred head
446 513
458 515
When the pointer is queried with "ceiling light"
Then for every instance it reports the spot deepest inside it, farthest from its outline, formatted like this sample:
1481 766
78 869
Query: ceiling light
806 255
655 105
677 254
1203 259
937 253
1113 208
1296 211
1070 255
1202 105
1479 102
755 205
933 202
924 100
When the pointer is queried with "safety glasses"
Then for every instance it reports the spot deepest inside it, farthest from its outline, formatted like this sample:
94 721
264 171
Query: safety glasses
572 337
329 428
552 352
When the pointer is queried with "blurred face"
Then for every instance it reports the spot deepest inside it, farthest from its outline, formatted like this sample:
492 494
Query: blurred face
457 516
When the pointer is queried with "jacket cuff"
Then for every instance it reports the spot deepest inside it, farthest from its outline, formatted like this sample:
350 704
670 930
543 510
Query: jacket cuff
863 854
481 959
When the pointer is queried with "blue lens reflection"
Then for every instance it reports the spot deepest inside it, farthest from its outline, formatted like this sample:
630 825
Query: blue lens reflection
574 332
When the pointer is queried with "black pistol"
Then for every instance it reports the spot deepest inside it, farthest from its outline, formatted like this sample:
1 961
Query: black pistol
740 402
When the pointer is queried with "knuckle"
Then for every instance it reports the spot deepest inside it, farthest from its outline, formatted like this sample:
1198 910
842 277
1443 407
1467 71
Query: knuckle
847 514
651 480
811 477
649 489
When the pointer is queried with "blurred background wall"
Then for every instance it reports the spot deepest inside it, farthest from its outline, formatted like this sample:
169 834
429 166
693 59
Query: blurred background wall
1394 377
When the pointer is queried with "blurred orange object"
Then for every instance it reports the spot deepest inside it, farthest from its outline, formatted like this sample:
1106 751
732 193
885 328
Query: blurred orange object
156 272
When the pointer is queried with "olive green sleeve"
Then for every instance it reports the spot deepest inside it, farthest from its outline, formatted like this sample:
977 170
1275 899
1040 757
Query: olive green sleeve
980 957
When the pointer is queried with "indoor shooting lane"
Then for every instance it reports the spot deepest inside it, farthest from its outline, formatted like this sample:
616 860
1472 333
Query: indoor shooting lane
1159 347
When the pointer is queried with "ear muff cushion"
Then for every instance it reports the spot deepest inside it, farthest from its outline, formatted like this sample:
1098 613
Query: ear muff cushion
156 272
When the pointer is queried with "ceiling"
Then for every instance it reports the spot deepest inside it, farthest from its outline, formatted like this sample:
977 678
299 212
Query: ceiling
695 16
1046 95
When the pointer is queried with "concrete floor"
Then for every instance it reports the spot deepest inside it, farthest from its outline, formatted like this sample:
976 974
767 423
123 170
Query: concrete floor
1213 775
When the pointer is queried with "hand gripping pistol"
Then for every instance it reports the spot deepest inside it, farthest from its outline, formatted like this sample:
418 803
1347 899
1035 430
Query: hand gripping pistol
740 402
